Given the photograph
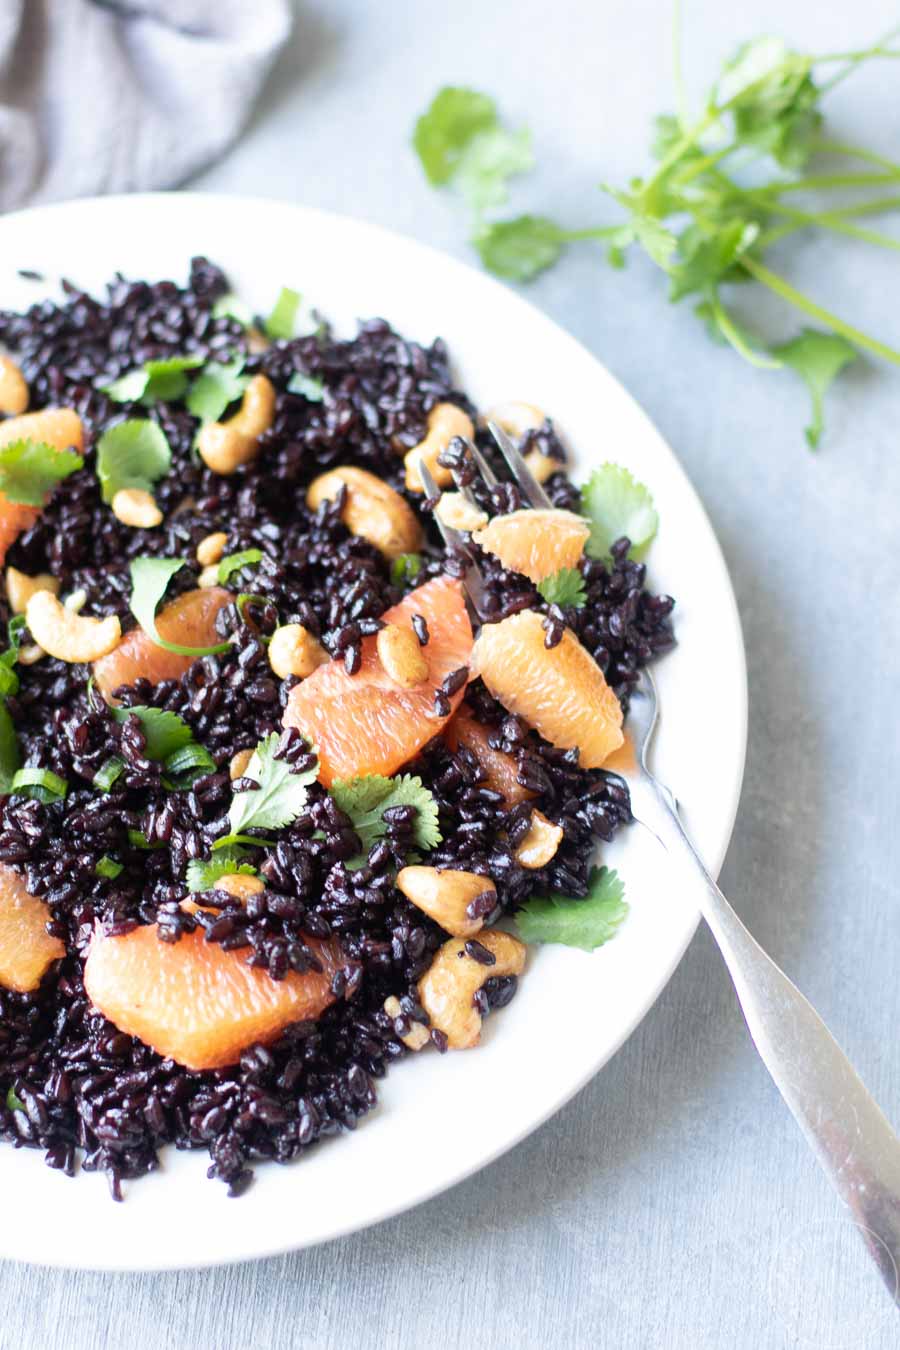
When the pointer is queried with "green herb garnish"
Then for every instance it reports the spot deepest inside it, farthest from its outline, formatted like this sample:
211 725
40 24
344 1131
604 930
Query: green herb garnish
233 307
108 867
617 506
10 757
149 579
202 874
132 454
9 679
42 784
312 390
586 923
154 381
366 799
565 587
165 732
405 568
30 470
710 210
108 773
280 323
280 797
13 1103
217 386
137 839
233 562
185 765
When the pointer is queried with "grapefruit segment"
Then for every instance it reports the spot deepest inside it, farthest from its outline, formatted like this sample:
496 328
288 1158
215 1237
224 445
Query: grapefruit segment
26 948
498 767
195 1003
59 427
560 691
535 543
367 723
189 620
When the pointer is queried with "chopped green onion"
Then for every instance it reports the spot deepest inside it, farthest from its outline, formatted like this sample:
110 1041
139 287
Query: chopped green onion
150 578
42 784
229 839
185 765
13 1103
280 323
107 774
108 867
307 386
405 568
137 839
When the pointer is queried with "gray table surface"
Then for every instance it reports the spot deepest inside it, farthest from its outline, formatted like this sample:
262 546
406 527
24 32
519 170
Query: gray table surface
673 1202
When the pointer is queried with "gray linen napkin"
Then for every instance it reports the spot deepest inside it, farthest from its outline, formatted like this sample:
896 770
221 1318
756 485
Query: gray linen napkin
122 95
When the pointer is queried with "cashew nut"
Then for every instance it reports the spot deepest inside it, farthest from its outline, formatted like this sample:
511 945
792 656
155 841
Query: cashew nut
447 989
239 884
417 1036
136 507
373 509
445 894
444 422
238 765
541 466
13 389
294 651
401 656
209 577
516 418
20 587
210 549
68 636
459 513
540 843
225 446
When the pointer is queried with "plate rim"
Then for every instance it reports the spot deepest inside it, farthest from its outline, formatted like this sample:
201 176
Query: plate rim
443 260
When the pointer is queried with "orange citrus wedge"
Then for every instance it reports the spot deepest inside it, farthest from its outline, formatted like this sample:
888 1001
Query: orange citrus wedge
535 543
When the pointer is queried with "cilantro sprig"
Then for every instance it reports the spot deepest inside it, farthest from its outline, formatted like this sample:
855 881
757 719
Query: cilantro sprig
586 923
617 505
30 470
132 454
280 796
565 587
365 800
706 215
154 381
203 873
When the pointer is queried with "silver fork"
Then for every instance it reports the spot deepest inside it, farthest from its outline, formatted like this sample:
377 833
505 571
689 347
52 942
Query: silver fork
844 1126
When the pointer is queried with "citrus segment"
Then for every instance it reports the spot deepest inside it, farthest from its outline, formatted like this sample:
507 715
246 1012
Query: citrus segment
498 767
26 948
190 621
560 690
535 543
59 427
196 1003
367 723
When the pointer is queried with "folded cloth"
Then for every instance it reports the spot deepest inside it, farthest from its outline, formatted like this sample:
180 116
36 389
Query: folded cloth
122 95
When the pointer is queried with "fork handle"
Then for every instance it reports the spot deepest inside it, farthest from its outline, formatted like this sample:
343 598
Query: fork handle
847 1131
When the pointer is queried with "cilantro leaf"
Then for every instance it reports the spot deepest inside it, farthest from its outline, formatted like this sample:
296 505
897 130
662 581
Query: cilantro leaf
772 100
132 454
565 587
233 562
280 323
617 505
233 307
10 758
203 873
149 580
217 385
818 358
108 867
154 382
366 799
280 797
30 470
165 732
441 134
488 161
708 255
519 249
310 388
586 923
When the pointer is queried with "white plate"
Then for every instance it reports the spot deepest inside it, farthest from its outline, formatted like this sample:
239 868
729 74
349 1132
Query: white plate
439 1118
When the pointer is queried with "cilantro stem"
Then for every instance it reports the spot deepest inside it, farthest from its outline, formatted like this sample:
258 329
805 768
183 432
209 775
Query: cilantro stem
787 292
816 182
735 338
826 220
855 152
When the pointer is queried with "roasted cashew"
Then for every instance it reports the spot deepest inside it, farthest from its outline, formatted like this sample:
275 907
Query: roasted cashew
69 636
540 843
210 549
238 764
13 389
417 1036
515 418
136 507
239 884
294 651
459 513
445 421
401 656
225 446
447 989
20 587
446 894
373 510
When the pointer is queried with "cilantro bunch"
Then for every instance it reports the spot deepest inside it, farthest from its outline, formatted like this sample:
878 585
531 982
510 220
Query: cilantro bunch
707 214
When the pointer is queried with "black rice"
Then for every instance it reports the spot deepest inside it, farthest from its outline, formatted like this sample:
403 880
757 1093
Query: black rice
70 1083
